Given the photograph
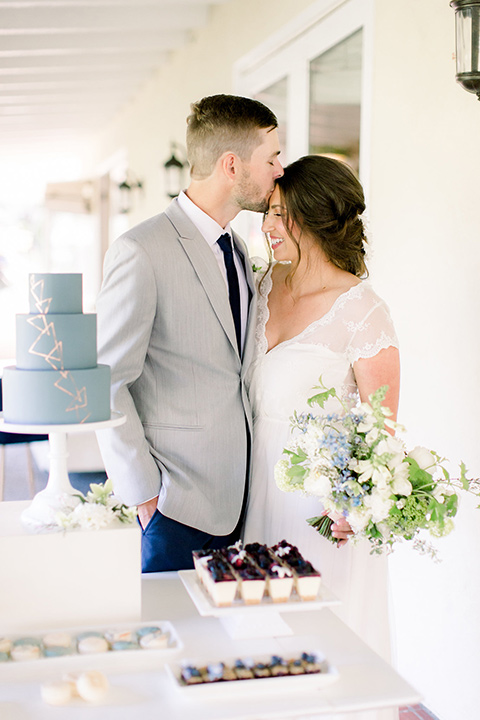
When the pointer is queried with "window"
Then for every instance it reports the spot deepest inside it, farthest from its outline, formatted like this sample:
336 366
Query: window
335 101
315 76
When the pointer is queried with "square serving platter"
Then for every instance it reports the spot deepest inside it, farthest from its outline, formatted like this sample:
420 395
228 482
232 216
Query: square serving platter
224 688
206 606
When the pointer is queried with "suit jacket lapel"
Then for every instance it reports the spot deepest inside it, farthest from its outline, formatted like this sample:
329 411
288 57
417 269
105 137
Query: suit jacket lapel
205 266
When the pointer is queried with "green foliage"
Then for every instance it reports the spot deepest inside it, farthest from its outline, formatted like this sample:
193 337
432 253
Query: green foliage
321 398
420 479
411 518
296 457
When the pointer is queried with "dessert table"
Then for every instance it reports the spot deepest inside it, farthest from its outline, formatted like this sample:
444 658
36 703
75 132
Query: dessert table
140 684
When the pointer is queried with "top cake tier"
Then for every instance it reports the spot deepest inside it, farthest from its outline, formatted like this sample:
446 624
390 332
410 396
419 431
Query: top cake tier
55 293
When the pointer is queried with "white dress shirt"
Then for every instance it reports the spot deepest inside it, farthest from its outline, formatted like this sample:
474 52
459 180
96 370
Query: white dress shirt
211 231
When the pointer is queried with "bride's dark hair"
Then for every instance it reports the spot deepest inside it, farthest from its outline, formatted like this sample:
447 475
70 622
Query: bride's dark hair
324 199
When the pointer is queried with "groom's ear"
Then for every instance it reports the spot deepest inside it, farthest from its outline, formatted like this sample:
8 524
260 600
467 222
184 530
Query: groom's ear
230 164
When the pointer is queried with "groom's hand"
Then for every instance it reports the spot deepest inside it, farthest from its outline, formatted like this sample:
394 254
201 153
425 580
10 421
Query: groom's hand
342 531
145 511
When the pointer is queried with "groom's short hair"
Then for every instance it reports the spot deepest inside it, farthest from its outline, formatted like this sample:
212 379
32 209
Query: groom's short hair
224 123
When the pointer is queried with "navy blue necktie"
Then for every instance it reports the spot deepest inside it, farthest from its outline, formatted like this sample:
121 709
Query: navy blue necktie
225 243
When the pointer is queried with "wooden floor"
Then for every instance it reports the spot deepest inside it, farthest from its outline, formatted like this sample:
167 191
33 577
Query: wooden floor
416 712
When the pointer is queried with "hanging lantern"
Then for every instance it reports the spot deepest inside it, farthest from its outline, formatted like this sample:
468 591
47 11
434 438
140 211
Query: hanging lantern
125 190
467 31
174 170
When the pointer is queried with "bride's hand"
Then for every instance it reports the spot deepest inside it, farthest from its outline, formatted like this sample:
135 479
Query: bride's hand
342 531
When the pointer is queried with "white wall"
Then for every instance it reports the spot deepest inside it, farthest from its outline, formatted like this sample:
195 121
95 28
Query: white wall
426 263
424 201
205 67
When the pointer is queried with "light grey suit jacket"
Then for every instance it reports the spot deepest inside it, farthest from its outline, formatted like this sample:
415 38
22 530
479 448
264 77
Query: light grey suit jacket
166 329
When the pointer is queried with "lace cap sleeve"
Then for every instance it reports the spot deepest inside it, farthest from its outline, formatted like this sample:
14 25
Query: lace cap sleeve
263 281
372 330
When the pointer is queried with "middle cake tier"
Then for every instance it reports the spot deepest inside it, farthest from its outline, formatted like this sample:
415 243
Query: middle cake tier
56 341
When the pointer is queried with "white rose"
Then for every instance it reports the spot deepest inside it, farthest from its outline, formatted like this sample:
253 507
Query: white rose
92 516
317 484
390 445
395 444
379 504
359 519
423 458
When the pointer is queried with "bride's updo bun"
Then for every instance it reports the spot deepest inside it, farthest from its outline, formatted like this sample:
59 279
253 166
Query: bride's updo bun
324 199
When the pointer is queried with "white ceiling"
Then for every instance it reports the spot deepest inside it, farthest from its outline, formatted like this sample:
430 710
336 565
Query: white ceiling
68 66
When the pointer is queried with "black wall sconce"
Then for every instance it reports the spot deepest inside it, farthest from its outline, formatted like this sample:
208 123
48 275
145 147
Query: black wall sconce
125 189
467 34
174 172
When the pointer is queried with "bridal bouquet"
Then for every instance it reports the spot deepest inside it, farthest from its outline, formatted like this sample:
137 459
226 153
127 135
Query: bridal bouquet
97 510
359 471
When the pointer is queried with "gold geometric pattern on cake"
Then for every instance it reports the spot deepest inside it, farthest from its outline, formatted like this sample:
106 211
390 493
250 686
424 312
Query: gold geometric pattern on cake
66 384
54 356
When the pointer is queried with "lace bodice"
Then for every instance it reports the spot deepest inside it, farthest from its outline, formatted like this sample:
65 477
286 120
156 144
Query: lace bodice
281 380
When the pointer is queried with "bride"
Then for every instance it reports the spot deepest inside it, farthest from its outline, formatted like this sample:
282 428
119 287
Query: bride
317 316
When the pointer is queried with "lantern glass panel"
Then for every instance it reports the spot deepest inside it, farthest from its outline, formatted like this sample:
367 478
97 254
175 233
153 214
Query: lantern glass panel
174 180
468 41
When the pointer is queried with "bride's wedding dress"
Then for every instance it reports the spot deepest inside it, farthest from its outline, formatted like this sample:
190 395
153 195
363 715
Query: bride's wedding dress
280 381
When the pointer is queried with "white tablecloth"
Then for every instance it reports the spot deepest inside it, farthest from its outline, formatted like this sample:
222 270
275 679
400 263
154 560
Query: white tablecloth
141 688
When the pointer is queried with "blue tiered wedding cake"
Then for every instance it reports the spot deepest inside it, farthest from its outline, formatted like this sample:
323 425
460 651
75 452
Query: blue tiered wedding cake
57 382
56 379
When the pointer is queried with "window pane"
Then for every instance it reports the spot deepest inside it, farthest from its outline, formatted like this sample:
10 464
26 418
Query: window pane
275 98
335 94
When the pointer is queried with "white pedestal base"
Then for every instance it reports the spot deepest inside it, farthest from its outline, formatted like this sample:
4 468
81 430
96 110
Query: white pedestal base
255 625
45 504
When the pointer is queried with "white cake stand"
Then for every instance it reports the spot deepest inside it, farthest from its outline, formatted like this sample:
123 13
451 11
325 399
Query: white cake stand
42 510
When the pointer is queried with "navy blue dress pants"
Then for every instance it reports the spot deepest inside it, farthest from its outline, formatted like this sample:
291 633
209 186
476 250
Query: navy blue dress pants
168 545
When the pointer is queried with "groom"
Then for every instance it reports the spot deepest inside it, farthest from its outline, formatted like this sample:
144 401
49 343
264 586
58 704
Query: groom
175 325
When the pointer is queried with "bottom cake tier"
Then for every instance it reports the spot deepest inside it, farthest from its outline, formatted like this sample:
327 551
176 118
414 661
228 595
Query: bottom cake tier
51 397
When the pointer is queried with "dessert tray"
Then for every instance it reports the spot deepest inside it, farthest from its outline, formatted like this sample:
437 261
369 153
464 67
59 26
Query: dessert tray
206 606
216 685
262 619
140 639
